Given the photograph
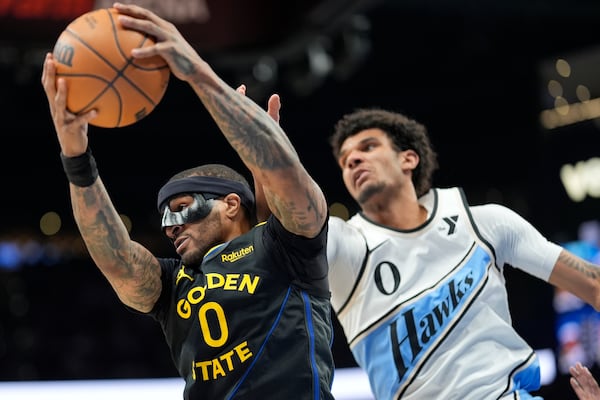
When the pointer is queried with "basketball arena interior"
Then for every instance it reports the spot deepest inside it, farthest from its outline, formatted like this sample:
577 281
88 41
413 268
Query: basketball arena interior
509 92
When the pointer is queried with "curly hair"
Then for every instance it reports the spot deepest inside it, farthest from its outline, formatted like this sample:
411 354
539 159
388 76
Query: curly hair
405 133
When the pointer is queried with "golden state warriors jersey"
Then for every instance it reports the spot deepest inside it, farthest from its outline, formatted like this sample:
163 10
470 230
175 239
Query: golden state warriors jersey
253 321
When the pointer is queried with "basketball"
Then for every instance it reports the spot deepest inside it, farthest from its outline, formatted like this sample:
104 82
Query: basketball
93 54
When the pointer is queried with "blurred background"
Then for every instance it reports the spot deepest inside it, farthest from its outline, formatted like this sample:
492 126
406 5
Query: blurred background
508 90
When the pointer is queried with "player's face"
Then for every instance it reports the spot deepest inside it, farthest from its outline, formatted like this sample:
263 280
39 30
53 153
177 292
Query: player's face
370 164
193 239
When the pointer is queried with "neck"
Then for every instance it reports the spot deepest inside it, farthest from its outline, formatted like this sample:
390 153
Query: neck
403 212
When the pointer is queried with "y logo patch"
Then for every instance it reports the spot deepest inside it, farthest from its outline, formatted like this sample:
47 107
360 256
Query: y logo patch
451 221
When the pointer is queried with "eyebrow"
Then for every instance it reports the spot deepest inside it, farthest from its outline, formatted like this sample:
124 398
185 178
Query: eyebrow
362 141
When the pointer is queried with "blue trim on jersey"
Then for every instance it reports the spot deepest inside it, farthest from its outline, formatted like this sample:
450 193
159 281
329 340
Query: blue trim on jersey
311 344
528 378
405 342
262 347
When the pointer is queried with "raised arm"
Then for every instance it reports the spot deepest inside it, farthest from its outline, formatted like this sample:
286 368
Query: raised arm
292 195
132 270
262 208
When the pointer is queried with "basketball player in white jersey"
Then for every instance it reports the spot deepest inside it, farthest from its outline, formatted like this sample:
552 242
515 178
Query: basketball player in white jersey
417 275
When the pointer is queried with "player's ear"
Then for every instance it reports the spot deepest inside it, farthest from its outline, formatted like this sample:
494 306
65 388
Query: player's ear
409 159
233 204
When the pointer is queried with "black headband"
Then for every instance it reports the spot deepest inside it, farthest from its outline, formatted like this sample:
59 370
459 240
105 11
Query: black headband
205 184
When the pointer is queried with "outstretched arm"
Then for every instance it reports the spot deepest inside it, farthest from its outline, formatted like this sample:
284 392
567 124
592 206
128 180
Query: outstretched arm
262 208
583 383
578 276
291 193
133 271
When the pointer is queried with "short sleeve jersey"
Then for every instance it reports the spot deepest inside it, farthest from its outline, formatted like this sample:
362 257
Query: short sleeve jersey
253 321
425 311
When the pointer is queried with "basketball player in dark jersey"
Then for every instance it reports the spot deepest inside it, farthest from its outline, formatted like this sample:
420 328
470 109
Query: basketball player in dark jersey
245 310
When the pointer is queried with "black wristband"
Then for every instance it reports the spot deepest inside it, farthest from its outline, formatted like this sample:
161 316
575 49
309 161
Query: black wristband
81 170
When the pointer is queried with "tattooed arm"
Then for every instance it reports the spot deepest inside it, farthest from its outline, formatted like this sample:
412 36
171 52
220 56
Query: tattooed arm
578 276
292 195
262 208
132 270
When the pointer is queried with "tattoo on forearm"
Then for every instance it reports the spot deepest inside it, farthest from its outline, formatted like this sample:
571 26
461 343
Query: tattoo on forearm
183 63
261 144
97 225
131 269
250 133
581 265
114 241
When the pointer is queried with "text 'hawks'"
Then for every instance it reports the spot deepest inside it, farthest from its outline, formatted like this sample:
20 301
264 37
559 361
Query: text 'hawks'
425 322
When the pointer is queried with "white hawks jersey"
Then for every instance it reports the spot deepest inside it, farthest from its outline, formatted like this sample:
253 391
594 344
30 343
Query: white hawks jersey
425 311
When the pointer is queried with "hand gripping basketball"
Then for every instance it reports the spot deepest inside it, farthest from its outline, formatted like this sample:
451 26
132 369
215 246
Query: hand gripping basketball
93 54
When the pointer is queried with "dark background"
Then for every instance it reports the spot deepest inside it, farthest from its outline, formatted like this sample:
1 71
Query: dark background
474 72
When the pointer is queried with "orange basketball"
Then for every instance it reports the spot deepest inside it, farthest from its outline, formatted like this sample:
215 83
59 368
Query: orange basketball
94 55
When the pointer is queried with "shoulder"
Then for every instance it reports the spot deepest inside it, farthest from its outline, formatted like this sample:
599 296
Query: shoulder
486 214
345 239
342 230
339 224
493 213
498 223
